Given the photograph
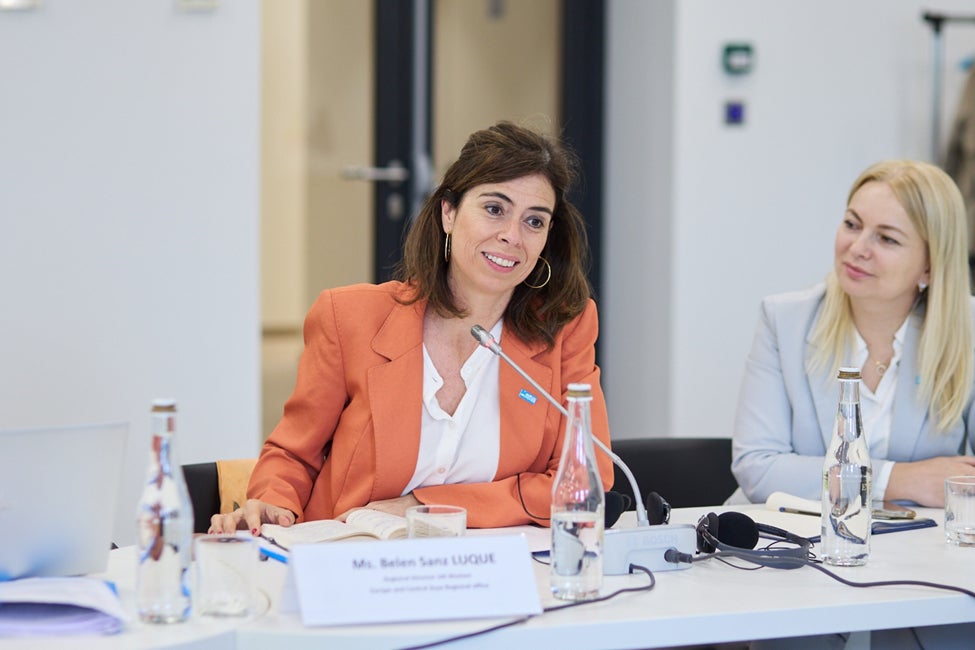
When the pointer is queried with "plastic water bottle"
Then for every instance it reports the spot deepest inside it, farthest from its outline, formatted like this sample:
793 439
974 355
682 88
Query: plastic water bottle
577 507
165 528
847 479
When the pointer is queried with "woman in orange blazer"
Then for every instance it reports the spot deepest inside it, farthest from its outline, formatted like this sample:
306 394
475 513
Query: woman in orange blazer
396 404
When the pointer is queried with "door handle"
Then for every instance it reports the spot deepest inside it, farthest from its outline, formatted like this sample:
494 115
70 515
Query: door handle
394 173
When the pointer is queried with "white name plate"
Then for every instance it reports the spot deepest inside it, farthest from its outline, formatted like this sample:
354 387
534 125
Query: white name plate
346 583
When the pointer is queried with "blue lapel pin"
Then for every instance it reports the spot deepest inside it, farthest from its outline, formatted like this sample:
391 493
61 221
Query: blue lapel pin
528 397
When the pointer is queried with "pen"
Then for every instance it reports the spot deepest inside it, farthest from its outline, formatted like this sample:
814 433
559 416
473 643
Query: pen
794 511
274 555
267 553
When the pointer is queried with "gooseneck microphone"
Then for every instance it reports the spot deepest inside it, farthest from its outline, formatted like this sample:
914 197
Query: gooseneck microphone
658 548
484 338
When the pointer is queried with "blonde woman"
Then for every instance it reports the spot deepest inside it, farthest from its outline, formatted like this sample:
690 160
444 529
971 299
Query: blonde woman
896 304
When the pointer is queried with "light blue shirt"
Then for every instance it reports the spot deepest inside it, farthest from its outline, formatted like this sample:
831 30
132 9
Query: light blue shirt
785 412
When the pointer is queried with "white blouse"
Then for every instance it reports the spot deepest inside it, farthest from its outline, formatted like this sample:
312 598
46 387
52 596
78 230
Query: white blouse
877 409
464 447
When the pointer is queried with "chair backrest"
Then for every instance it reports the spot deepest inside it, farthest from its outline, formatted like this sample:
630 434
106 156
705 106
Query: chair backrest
687 472
215 487
201 480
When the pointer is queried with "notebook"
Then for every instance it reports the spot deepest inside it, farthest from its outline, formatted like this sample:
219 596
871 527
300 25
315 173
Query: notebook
58 495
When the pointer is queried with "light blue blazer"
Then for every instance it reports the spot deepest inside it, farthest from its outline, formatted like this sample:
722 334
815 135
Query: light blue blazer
785 415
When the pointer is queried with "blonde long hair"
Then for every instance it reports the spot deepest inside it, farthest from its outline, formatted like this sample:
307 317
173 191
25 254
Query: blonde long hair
936 209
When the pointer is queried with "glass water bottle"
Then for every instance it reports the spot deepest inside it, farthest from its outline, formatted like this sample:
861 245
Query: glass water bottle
847 479
577 507
165 528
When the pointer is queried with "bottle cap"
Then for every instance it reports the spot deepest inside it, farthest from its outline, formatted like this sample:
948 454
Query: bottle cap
580 390
163 404
849 373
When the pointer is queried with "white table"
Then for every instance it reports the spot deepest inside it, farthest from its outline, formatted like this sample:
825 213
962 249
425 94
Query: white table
710 602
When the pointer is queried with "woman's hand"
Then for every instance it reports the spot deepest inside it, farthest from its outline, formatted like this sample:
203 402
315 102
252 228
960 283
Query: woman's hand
395 506
250 517
923 481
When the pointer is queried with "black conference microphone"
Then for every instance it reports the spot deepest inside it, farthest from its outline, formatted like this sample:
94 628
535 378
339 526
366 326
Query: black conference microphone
644 545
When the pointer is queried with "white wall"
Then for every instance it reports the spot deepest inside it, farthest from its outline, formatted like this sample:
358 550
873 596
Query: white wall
635 334
721 216
129 175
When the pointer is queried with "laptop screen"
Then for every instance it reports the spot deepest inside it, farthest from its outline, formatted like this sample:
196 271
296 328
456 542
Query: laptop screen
58 496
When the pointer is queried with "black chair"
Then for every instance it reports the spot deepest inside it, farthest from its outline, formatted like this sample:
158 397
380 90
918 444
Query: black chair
687 472
204 487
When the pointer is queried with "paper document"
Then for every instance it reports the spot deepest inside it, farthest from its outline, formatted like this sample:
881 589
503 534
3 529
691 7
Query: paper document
59 606
784 502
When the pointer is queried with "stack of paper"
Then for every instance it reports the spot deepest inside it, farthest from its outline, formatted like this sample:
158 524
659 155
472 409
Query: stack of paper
59 606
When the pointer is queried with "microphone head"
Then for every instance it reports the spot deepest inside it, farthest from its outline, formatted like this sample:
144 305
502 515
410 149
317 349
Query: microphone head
481 335
484 338
737 529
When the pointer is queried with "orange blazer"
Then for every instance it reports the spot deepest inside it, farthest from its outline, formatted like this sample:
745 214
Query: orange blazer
350 433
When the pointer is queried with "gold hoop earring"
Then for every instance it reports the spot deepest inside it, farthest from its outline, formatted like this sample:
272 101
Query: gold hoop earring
547 277
446 248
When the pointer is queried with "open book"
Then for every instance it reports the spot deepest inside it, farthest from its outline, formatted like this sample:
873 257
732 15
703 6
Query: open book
359 525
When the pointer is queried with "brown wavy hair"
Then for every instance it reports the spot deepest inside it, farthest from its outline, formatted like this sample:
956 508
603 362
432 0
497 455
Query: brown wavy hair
498 154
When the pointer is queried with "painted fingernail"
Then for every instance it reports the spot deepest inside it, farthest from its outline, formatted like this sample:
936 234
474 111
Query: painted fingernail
253 531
